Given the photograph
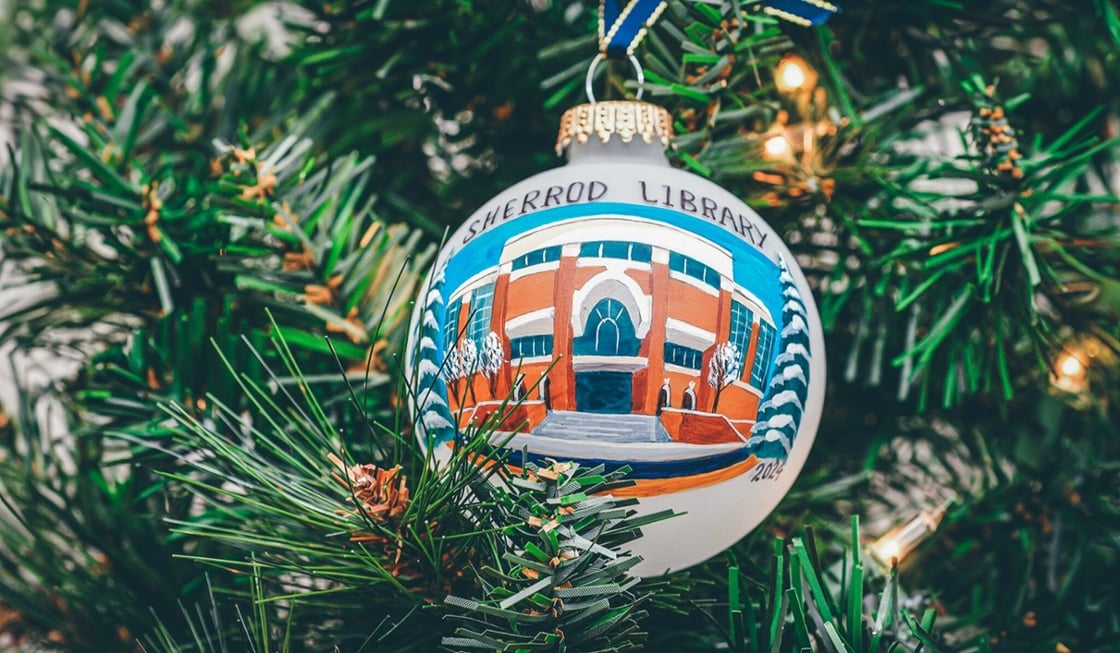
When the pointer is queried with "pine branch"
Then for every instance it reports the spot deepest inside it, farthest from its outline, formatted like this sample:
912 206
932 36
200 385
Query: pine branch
792 602
710 64
151 239
79 540
142 209
154 218
986 270
562 582
167 235
427 112
282 492
208 632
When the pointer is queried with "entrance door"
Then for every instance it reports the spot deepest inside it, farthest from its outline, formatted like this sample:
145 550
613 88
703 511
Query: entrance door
609 332
604 392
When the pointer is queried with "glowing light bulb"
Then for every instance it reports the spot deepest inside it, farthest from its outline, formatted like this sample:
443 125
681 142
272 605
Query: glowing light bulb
793 74
1071 372
902 540
889 550
776 146
1070 366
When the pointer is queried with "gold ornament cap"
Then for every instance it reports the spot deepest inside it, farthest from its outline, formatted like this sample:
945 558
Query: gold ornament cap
605 120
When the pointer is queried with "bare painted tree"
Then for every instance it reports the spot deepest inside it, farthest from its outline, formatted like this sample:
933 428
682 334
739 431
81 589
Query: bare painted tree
492 357
723 369
468 360
453 370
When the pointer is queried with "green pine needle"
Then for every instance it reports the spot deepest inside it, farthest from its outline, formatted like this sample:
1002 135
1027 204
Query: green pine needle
570 588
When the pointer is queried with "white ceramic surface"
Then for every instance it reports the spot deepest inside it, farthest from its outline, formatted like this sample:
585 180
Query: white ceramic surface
637 314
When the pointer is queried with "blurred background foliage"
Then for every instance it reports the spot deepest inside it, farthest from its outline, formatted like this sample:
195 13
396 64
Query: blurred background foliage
195 193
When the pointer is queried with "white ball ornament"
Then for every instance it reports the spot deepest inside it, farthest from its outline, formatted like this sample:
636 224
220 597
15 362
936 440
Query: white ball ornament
619 311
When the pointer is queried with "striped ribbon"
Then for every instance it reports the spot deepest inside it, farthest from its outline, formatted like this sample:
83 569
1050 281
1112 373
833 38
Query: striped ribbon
807 13
622 26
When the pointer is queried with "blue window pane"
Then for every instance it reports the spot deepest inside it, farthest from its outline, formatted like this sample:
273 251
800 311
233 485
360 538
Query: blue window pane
683 356
676 262
760 370
451 324
711 277
616 249
482 304
741 320
693 268
703 273
536 257
530 346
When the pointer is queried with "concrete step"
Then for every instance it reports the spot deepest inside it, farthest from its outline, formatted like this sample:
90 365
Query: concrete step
569 425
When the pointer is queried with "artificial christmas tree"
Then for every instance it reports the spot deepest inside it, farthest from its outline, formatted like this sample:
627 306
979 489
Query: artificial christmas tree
217 216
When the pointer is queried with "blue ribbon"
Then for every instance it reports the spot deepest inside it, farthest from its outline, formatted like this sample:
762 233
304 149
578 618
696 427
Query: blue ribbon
807 13
623 24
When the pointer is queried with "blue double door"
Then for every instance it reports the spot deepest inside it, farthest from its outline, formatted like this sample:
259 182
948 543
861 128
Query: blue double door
609 332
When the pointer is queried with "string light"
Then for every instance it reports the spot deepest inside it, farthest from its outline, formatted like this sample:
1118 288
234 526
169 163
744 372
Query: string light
900 541
793 74
1085 364
1071 371
1070 366
793 141
776 147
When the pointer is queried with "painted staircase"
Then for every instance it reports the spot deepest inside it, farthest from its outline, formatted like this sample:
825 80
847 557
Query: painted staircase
602 427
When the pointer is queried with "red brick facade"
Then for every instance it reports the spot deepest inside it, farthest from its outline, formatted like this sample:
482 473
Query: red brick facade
586 317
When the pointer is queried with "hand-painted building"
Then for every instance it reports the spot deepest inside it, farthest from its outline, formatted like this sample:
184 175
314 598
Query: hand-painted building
619 315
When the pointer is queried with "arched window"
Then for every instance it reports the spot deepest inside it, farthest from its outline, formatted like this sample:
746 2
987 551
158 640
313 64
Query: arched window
546 396
664 397
609 332
689 402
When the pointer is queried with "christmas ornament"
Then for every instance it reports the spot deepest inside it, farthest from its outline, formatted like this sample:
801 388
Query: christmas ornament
619 311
